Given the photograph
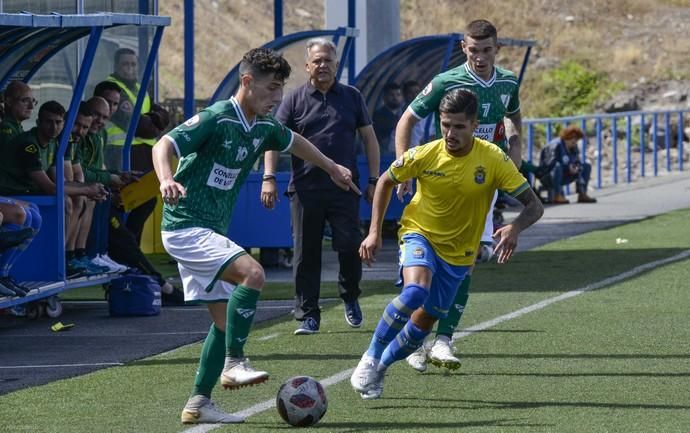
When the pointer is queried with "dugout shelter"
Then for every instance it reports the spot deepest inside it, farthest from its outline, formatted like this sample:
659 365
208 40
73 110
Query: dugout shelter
68 46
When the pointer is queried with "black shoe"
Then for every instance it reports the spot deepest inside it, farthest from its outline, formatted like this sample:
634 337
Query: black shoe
353 314
9 283
10 239
174 299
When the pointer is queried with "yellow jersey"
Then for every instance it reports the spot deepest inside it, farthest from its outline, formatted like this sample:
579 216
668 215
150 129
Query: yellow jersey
454 194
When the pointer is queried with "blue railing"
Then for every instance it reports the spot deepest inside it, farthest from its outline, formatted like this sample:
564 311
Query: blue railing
639 131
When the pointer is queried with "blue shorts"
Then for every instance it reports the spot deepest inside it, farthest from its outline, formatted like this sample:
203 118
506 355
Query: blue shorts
415 250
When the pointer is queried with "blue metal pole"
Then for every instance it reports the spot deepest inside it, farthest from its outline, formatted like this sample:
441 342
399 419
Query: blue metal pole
599 146
655 157
614 144
667 139
628 138
643 145
523 68
189 107
583 147
351 22
680 141
136 112
83 76
277 18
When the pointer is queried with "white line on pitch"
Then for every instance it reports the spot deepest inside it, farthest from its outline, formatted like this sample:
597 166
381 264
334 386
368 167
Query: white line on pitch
339 377
268 337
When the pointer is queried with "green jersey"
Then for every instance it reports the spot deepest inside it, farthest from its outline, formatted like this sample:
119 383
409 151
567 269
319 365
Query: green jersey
9 128
22 156
91 154
218 148
498 98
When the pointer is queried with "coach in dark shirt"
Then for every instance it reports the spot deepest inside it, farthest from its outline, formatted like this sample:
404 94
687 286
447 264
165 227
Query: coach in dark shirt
330 115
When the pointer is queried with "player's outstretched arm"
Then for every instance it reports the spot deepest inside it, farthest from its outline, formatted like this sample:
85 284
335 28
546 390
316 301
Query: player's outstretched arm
382 196
342 176
162 163
269 187
508 234
513 124
403 134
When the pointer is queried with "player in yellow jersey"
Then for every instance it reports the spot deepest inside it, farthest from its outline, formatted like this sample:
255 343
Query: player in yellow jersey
440 231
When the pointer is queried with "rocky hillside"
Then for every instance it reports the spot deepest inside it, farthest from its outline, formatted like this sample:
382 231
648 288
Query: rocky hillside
641 44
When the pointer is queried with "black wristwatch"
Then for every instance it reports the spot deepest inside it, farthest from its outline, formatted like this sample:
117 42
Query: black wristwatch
373 180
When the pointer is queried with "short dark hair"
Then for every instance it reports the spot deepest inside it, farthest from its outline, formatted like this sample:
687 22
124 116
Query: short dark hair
481 29
53 107
84 109
122 52
264 61
410 83
106 86
391 86
459 101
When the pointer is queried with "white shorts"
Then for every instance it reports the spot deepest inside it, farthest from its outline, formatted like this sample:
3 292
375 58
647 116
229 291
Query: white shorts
488 235
201 256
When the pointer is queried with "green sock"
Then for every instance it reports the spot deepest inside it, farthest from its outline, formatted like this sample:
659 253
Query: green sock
211 362
447 325
241 312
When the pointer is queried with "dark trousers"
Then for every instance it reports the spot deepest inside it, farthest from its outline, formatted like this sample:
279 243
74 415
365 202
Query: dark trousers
123 247
142 160
310 210
97 242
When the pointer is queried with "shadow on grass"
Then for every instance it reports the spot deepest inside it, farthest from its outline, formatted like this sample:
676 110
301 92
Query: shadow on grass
264 357
405 426
451 403
537 271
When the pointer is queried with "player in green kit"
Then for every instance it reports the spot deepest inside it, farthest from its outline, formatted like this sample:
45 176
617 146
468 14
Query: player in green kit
500 122
217 149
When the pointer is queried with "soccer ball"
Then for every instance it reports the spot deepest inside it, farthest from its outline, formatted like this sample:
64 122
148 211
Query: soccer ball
301 401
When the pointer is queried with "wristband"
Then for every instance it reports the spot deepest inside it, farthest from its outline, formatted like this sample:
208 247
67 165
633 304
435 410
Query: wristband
373 180
266 177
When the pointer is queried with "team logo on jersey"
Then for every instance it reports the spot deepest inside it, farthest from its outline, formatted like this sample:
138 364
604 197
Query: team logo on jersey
257 142
192 121
398 162
506 100
411 153
479 175
418 253
427 89
31 148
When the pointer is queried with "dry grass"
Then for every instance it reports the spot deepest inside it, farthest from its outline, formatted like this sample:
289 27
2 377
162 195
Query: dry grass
626 39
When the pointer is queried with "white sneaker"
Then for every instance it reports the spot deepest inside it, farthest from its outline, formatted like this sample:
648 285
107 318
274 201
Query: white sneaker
365 376
120 267
200 410
238 373
376 388
442 354
417 359
100 262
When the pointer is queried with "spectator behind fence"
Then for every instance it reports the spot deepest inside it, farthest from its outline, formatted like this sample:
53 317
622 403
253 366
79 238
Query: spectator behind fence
152 122
330 115
21 222
386 117
560 160
18 107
